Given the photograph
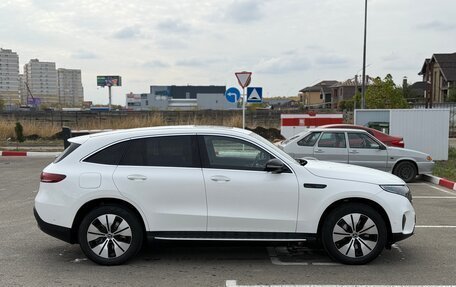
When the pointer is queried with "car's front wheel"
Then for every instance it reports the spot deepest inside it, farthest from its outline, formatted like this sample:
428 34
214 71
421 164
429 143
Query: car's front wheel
110 235
354 233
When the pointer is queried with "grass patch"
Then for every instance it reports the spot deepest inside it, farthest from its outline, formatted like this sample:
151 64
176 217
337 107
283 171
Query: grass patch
447 169
34 130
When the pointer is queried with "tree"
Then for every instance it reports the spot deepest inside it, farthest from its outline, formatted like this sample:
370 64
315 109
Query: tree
384 94
2 104
452 94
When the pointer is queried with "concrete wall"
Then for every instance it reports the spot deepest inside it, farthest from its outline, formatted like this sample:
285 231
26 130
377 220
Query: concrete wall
214 102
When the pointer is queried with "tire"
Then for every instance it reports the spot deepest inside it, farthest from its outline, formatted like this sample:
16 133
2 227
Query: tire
354 234
110 235
406 170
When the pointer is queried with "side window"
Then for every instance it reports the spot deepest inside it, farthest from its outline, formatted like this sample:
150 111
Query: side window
176 151
309 140
66 152
110 155
231 153
357 140
332 139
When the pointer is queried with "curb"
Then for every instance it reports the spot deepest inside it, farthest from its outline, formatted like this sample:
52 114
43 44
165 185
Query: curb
440 181
28 153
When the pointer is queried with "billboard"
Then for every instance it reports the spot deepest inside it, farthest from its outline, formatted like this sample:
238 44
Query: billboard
109 81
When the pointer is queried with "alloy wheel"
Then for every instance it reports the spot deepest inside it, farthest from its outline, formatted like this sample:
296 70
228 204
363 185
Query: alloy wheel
109 236
355 235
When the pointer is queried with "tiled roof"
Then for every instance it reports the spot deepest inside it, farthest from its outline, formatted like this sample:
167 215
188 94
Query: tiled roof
319 86
447 63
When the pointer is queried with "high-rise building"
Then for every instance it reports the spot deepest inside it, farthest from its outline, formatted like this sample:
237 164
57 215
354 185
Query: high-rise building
41 78
71 93
9 77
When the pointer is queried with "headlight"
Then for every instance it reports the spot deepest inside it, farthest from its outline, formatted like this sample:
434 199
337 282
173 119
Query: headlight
429 158
398 189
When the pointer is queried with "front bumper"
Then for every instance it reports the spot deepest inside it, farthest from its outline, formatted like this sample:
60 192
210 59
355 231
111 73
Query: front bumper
60 232
425 167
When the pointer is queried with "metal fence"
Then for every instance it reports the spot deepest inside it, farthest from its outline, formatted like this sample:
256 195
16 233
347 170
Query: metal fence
450 106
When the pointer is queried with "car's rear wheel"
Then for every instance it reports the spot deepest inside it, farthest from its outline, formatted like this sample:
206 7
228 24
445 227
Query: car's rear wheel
354 233
110 235
406 170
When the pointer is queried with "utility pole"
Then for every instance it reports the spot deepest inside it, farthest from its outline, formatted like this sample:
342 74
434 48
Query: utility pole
363 88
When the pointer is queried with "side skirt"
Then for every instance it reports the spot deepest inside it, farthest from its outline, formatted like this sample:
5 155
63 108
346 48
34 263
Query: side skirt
231 236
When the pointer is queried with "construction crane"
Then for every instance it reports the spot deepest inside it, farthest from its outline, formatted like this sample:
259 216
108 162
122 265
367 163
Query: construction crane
30 93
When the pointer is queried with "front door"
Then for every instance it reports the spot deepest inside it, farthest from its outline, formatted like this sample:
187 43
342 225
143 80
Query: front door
241 196
365 151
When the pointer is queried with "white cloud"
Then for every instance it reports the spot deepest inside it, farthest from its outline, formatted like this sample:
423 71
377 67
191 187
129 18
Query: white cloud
286 44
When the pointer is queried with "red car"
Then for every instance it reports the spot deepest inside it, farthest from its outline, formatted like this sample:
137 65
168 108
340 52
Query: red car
384 138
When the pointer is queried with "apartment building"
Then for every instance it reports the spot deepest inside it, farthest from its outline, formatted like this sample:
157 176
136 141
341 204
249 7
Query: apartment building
41 78
71 93
9 77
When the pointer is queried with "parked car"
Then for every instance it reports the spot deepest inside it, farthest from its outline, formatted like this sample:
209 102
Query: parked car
354 146
111 190
384 138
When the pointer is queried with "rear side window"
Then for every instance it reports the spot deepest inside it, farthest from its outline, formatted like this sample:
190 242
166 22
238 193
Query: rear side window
110 155
309 140
176 151
66 152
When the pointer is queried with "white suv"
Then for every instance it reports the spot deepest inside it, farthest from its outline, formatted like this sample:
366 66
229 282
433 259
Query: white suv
110 191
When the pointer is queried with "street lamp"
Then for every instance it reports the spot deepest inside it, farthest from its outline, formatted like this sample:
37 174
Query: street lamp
363 88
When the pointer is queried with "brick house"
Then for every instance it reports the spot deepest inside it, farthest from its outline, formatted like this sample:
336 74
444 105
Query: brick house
439 72
317 96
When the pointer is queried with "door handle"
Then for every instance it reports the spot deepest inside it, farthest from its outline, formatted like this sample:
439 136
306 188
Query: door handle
136 177
319 151
354 151
220 178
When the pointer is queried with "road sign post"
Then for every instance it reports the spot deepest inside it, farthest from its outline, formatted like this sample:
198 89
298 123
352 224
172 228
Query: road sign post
244 79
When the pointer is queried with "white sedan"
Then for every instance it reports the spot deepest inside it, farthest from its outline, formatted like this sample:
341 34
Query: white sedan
358 147
109 191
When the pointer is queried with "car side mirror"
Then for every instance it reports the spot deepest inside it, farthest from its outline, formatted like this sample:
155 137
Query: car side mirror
382 147
275 166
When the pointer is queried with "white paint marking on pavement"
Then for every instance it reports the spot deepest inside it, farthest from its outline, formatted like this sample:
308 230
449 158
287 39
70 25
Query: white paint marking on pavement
233 283
417 183
435 226
441 189
433 197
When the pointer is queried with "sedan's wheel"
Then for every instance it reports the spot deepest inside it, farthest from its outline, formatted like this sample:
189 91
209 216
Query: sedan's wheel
354 234
110 235
406 170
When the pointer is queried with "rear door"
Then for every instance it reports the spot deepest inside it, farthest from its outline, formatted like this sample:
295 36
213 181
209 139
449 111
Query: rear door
163 176
332 146
365 151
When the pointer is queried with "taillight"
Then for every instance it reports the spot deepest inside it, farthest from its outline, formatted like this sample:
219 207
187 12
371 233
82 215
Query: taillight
51 177
397 143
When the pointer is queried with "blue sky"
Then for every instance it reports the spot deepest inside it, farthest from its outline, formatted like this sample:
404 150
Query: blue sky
287 44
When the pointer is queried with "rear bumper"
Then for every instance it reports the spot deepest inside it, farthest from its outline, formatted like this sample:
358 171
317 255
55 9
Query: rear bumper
60 232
